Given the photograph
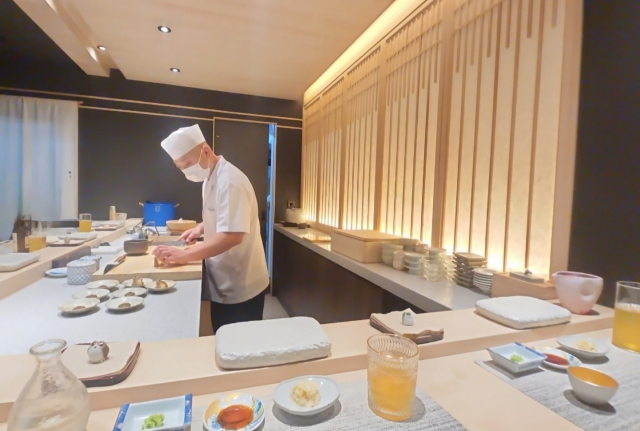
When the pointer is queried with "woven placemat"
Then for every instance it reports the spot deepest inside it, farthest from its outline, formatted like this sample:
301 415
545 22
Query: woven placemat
552 389
351 413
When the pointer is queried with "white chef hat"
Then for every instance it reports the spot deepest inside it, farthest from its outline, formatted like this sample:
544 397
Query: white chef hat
182 141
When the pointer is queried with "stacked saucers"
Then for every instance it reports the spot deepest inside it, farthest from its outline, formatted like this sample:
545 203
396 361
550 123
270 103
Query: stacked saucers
464 265
413 262
387 252
483 278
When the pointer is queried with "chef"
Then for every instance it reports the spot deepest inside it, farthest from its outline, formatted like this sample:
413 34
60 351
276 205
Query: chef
234 277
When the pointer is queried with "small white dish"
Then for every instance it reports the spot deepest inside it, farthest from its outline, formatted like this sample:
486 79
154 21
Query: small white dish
103 284
57 272
329 393
91 293
485 290
129 292
78 306
568 343
502 356
573 361
484 272
176 411
129 283
592 386
413 257
154 287
210 417
118 304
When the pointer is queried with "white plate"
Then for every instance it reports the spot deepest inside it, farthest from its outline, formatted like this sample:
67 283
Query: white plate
61 243
129 292
129 283
485 272
573 361
329 393
170 284
210 417
57 272
103 284
87 304
91 293
485 290
115 304
568 341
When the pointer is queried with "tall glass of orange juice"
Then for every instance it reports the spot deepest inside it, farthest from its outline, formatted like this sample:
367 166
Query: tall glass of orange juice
626 316
85 223
391 376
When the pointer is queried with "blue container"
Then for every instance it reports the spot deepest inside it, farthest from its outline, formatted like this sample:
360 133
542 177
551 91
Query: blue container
158 212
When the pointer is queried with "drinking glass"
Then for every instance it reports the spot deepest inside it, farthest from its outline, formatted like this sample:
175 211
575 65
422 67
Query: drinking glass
391 375
85 223
626 316
38 239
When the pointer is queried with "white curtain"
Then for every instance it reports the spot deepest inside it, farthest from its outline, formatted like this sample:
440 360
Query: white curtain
38 160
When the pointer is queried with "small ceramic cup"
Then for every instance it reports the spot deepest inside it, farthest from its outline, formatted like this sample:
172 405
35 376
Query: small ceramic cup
578 292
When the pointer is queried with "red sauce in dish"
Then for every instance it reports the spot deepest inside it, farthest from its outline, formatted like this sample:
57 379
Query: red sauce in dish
235 417
555 359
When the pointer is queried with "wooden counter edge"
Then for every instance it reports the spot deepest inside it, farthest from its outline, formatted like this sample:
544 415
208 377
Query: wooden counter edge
12 282
205 377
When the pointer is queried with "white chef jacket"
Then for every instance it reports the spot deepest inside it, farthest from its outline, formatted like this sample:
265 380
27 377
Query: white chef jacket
229 205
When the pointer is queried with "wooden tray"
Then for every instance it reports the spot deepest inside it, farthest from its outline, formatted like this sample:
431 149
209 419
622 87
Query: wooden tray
115 378
143 266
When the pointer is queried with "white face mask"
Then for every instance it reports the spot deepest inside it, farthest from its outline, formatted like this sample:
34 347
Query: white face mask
196 173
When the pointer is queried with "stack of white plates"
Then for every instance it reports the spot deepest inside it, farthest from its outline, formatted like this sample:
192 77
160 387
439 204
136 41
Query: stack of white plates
483 278
413 263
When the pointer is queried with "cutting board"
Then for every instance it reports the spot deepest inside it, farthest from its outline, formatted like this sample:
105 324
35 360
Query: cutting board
143 266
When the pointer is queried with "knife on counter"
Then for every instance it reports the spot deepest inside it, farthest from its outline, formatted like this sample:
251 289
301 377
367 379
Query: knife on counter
117 261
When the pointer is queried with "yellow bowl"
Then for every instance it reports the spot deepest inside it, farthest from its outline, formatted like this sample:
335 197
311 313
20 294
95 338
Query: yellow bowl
180 226
592 386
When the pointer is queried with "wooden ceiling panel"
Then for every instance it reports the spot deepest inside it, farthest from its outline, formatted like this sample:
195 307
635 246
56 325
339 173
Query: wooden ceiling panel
273 48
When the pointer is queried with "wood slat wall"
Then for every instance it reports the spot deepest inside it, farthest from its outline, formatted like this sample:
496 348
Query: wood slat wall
452 131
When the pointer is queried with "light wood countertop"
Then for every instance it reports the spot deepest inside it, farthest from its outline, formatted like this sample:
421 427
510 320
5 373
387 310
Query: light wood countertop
172 368
477 399
11 282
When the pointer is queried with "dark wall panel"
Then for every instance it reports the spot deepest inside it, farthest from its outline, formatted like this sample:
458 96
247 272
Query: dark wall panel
122 163
605 235
288 169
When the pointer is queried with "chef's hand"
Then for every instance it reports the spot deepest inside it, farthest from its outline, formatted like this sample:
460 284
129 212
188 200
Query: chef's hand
192 235
166 254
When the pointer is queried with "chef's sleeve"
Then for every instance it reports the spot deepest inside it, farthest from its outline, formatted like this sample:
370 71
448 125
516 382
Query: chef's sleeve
234 209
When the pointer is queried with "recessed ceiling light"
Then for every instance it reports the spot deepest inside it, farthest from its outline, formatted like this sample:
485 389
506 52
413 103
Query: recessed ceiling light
175 69
102 48
164 29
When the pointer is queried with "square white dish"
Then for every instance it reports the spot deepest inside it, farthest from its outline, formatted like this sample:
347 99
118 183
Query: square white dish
531 358
270 342
14 261
176 411
522 312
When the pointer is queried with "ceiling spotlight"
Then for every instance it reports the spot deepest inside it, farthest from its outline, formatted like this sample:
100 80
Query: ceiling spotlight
102 48
164 29
174 70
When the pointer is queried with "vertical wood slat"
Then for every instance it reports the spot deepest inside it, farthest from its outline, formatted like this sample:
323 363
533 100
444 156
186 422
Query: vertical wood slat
454 138
360 103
